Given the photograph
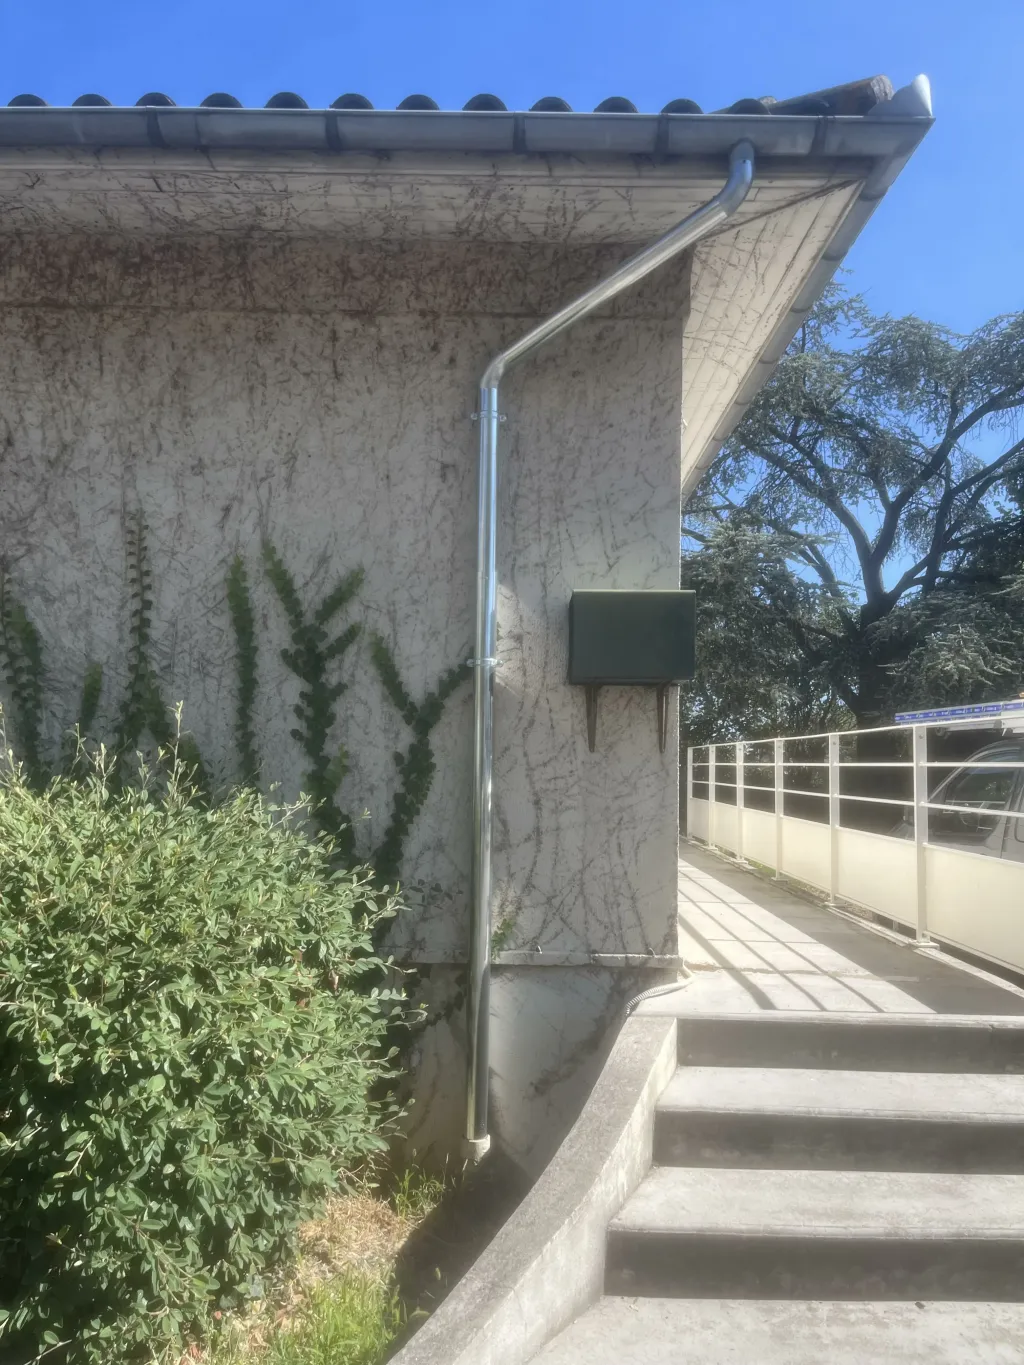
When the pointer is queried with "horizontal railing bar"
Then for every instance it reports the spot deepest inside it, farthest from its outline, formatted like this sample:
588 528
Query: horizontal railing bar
995 813
1008 766
890 801
894 763
966 763
978 722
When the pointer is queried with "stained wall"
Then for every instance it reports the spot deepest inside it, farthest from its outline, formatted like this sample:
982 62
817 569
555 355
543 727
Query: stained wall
319 394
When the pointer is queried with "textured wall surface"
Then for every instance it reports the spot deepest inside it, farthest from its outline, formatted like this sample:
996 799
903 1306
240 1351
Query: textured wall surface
320 393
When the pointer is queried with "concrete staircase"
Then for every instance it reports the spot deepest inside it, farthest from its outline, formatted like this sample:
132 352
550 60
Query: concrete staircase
827 1190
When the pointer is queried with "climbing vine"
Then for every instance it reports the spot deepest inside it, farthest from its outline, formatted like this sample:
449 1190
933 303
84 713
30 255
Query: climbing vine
72 753
143 709
416 766
243 621
22 658
310 658
137 702
314 655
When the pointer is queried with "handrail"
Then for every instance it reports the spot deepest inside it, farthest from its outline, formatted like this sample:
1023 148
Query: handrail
720 779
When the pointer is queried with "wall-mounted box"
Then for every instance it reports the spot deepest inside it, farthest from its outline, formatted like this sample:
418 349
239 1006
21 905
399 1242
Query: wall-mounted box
626 638
631 639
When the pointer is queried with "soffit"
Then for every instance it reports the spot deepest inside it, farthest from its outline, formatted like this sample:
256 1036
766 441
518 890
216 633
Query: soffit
402 196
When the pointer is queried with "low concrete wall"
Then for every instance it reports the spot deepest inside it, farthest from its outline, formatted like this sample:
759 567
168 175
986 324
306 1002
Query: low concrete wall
547 1262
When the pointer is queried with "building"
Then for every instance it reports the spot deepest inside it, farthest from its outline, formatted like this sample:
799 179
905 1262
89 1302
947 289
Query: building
223 327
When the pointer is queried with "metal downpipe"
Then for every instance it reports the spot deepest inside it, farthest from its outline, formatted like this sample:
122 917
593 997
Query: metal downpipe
484 663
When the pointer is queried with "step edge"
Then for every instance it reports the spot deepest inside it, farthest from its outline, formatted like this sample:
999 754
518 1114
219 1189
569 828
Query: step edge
956 1235
972 1119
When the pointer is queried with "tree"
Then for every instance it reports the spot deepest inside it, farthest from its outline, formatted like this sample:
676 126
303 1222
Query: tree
859 541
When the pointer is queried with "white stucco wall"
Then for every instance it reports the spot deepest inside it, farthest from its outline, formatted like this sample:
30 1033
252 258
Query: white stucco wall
320 393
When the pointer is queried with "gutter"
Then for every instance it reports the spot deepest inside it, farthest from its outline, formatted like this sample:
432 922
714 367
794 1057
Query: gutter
696 225
660 137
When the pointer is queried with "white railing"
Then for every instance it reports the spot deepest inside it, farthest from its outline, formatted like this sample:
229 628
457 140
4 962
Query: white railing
800 806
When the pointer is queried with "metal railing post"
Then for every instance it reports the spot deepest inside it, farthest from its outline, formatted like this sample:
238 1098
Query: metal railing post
833 817
689 787
711 793
920 754
780 777
741 758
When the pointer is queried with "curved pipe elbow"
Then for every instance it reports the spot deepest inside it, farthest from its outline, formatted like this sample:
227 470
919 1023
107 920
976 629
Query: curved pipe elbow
687 231
741 177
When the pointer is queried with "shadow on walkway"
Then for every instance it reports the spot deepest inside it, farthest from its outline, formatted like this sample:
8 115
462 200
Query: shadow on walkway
754 944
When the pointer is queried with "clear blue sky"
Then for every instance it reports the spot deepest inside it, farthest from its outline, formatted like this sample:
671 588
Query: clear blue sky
947 243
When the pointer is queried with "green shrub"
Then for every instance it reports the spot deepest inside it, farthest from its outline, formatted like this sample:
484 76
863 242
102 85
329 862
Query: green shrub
190 1045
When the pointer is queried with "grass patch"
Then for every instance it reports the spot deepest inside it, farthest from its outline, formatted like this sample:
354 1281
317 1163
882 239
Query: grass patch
350 1320
340 1304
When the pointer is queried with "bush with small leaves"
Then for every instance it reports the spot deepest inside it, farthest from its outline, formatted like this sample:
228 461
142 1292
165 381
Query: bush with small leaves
190 1056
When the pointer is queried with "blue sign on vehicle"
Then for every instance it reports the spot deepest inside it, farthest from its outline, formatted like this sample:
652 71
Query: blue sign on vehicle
994 708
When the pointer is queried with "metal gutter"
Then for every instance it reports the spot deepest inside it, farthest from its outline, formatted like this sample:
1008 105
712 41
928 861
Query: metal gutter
657 136
484 663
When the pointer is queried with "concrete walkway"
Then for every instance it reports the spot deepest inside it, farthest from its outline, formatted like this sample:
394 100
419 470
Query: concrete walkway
754 944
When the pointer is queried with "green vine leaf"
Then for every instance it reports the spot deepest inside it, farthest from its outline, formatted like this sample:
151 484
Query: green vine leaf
143 709
243 621
73 753
21 653
311 653
416 766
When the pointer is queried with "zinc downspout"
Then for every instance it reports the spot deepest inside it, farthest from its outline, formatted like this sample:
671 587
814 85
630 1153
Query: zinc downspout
484 662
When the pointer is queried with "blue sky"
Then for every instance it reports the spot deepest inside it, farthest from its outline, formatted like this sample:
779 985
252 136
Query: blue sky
945 244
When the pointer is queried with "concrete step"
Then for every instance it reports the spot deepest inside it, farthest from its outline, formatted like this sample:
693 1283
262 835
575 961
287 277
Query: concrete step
620 1331
855 1042
864 1120
704 1232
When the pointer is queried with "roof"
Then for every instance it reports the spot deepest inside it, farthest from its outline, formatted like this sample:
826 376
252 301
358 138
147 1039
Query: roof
845 119
613 177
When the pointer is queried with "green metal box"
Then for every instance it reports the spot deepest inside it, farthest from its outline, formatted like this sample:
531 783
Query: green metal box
625 638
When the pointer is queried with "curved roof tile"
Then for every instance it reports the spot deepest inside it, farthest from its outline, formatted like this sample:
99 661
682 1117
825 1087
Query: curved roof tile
855 98
285 99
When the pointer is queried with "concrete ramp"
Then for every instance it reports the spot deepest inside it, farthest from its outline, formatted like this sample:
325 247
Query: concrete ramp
811 1152
838 1167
